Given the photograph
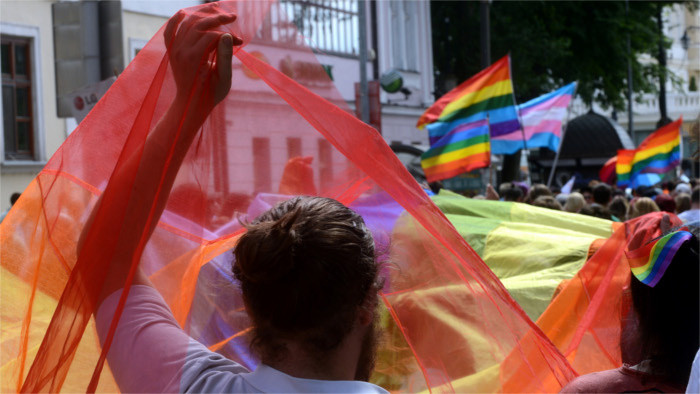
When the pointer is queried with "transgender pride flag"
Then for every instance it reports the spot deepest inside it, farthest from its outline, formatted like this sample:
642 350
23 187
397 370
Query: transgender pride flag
542 119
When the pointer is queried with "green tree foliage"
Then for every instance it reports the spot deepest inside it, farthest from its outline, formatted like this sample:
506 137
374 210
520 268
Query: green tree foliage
552 43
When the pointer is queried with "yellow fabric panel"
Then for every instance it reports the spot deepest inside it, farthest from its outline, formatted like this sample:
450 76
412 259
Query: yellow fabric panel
15 295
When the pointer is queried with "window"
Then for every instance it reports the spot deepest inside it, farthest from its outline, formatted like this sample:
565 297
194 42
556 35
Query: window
22 147
18 125
261 165
293 147
404 39
325 161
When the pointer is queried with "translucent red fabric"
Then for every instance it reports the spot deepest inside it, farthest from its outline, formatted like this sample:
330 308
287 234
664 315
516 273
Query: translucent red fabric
450 323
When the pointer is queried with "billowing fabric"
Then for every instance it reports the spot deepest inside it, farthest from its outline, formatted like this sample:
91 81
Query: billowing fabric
586 318
557 243
454 325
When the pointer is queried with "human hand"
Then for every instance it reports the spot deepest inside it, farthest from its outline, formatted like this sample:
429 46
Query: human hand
200 53
491 193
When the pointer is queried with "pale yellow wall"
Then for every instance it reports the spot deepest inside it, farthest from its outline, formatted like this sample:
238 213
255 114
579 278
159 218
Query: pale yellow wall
35 13
139 26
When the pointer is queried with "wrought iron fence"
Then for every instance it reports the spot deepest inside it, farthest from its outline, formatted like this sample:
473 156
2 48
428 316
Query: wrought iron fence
329 26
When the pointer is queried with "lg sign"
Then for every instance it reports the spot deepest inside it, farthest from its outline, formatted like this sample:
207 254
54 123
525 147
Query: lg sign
81 101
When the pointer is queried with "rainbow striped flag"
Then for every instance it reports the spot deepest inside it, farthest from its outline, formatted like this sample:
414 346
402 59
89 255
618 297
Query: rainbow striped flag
460 122
542 120
649 263
658 153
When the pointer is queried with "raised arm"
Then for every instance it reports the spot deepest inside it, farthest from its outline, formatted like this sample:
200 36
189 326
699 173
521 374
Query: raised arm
200 58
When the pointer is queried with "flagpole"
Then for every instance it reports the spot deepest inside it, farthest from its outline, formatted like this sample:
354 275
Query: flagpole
522 127
561 141
488 124
679 167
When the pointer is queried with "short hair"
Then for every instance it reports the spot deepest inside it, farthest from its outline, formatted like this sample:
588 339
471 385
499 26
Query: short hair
304 267
682 202
666 203
14 197
695 195
597 211
512 193
547 202
602 193
574 202
641 206
618 207
536 191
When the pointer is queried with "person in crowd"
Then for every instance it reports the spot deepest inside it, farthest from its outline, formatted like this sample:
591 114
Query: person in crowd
682 187
587 193
547 202
692 214
618 208
507 191
597 211
666 203
307 267
561 198
665 296
535 191
641 206
574 202
602 194
683 202
513 193
13 199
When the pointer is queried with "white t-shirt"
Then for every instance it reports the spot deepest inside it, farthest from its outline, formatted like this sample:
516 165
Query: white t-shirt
151 353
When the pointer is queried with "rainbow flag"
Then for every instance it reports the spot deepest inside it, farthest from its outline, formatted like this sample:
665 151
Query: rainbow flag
649 263
542 120
658 153
460 122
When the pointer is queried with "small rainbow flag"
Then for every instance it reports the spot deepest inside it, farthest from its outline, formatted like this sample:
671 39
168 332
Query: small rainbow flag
649 263
460 122
658 153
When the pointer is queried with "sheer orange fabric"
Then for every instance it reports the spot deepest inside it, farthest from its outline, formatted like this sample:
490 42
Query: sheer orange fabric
451 324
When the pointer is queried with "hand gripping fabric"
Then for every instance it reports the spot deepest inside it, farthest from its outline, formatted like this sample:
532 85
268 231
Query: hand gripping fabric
450 323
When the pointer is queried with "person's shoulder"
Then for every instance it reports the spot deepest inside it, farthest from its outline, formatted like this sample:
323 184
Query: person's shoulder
596 382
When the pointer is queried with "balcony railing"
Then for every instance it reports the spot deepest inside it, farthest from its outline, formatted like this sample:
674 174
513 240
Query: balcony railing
328 26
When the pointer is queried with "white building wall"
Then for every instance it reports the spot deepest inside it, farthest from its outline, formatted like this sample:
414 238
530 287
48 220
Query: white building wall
17 17
142 19
400 114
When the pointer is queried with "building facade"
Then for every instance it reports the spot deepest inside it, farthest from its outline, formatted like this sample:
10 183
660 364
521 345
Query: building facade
398 38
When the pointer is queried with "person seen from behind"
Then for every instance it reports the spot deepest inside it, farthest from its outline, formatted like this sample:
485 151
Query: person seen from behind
692 214
574 202
665 294
641 206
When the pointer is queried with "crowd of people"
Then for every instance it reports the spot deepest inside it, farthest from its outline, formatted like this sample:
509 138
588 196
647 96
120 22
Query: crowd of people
607 202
